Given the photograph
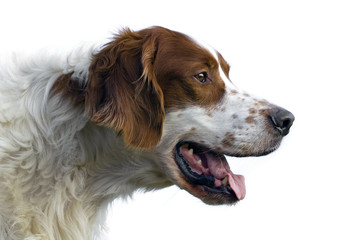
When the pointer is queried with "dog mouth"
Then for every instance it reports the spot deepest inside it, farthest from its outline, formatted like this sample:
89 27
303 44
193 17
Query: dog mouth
210 170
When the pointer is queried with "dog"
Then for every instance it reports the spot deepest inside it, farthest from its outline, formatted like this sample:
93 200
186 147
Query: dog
150 109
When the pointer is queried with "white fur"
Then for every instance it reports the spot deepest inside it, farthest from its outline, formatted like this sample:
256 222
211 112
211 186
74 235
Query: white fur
57 169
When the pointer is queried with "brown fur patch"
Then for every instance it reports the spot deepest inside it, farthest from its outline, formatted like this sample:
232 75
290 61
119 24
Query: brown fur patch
228 141
252 111
69 88
122 91
264 112
177 61
250 120
263 103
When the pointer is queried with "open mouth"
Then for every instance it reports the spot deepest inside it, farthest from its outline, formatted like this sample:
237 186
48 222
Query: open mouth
204 167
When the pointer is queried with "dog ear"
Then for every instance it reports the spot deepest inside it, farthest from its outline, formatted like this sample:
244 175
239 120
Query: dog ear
122 92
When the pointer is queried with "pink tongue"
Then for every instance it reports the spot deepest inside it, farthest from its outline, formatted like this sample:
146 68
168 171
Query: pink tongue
219 168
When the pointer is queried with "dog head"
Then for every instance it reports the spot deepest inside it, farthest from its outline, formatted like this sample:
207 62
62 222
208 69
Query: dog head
164 91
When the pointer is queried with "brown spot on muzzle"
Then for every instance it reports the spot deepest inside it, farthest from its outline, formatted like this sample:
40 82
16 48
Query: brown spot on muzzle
250 120
228 141
234 92
252 111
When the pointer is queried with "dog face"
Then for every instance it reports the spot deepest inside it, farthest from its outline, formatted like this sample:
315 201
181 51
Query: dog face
165 92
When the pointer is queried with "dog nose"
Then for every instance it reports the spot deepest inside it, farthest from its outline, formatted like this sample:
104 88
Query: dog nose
282 120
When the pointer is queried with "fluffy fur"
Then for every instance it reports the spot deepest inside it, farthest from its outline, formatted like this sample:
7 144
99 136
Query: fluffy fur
80 130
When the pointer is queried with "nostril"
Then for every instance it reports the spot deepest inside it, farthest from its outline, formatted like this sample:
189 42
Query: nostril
282 120
287 123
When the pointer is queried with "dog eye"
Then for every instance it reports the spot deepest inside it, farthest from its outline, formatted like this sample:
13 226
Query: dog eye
201 77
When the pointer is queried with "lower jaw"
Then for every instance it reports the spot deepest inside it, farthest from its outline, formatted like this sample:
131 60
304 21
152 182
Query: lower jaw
211 197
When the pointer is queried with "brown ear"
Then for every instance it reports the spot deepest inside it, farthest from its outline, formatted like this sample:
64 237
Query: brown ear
122 92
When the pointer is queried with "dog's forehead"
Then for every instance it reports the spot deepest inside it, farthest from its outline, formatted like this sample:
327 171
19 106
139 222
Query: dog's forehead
187 49
223 66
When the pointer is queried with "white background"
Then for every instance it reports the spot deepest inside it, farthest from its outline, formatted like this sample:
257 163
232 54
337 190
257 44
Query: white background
297 54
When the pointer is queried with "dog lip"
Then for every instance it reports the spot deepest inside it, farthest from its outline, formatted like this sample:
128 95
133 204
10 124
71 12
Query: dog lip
206 181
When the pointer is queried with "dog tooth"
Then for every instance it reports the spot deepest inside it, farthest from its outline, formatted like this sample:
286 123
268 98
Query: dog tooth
225 181
199 162
190 151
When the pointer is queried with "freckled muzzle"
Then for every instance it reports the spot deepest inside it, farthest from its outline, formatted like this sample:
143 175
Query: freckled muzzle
278 122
